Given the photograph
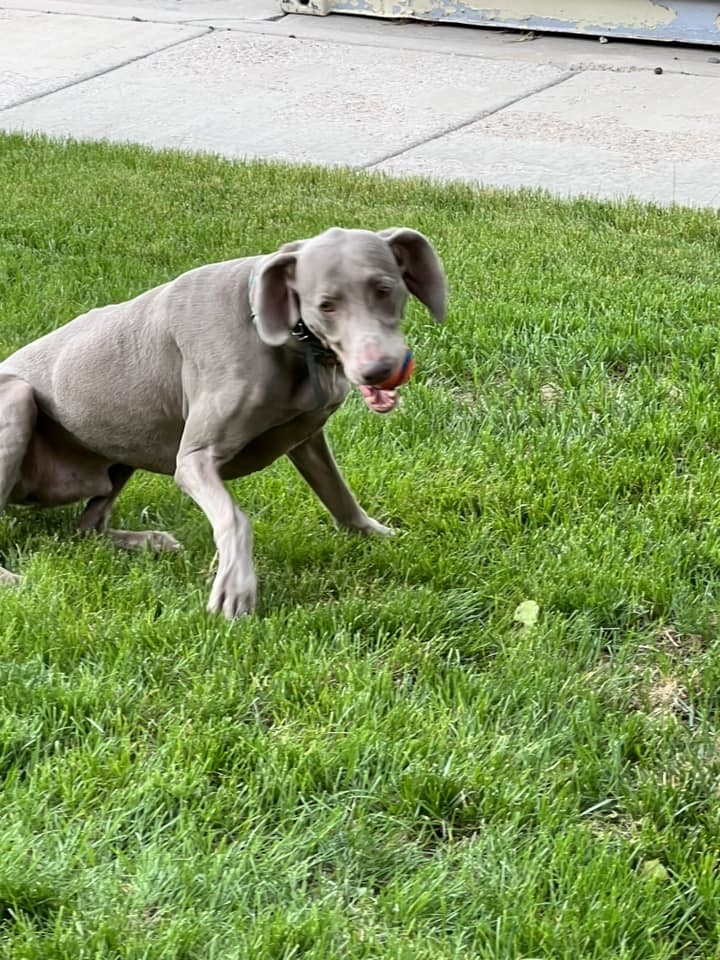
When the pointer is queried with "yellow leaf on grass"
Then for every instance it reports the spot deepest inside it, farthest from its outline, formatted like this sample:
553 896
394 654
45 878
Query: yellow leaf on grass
526 613
654 870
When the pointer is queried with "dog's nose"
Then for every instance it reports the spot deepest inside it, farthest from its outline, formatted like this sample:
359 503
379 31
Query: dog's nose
377 371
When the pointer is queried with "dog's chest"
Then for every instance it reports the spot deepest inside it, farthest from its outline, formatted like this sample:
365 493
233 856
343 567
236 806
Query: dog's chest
275 442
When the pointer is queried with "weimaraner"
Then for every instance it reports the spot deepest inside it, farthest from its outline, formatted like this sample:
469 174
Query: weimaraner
210 377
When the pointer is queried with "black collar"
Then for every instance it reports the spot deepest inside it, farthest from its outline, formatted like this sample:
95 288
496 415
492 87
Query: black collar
314 351
316 354
312 345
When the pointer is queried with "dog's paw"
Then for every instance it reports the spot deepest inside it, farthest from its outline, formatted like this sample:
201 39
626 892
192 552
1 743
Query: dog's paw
157 541
367 527
161 542
233 593
8 579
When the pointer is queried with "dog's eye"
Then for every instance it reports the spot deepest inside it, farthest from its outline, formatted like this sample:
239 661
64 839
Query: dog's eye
383 291
327 306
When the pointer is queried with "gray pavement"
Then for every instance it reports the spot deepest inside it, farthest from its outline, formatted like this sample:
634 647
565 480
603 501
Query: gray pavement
238 78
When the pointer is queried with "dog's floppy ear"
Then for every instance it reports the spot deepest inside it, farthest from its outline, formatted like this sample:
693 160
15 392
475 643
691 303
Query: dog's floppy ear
421 268
274 302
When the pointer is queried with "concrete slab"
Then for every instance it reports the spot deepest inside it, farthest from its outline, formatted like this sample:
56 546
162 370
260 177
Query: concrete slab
247 95
611 135
490 106
264 16
169 11
41 53
567 53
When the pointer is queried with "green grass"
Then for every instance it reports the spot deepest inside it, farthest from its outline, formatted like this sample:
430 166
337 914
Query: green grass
382 763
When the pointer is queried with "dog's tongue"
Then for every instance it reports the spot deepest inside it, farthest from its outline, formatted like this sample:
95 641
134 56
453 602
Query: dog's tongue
379 401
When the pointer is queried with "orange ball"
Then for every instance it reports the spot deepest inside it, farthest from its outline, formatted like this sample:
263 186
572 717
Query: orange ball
403 374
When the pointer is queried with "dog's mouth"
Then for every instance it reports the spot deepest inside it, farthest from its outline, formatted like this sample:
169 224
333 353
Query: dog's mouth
379 400
383 397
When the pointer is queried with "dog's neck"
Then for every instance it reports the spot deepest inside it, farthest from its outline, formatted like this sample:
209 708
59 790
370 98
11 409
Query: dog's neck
313 350
311 345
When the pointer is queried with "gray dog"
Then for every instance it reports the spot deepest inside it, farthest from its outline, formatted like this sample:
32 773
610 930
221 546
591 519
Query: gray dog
213 376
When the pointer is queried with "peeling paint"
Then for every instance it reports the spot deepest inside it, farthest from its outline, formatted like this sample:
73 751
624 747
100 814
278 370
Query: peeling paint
611 12
418 8
629 13
689 21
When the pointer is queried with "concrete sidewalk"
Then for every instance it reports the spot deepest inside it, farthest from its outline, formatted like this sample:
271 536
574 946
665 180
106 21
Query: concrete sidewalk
237 78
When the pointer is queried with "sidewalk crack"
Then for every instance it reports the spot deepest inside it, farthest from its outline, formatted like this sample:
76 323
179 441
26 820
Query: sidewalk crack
482 115
100 73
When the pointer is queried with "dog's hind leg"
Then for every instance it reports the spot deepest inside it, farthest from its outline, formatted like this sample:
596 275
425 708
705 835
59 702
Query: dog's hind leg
18 415
96 516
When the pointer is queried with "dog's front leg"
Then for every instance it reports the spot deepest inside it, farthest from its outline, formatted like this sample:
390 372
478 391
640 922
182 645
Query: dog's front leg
316 464
234 589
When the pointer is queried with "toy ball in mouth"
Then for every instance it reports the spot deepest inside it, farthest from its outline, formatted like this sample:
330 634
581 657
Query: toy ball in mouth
383 398
402 375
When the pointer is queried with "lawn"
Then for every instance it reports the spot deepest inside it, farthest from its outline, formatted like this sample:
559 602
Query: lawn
384 762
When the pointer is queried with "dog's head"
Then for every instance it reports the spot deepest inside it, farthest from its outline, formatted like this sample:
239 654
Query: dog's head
350 288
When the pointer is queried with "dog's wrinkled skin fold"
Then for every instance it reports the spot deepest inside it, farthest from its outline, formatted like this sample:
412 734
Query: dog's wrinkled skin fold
190 379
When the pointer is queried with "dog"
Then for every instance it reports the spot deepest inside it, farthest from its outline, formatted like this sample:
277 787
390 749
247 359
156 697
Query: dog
213 376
